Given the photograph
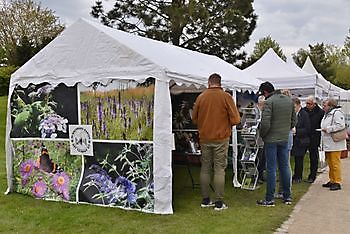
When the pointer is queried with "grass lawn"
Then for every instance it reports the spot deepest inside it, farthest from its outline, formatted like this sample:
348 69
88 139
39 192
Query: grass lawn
24 214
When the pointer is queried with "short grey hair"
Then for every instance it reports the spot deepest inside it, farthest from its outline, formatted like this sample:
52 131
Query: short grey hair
311 98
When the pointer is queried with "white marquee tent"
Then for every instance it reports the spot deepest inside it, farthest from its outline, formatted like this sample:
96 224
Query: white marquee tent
87 52
329 88
270 67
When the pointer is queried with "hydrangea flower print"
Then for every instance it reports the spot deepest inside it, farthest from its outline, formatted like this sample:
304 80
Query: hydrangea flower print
39 189
60 183
50 124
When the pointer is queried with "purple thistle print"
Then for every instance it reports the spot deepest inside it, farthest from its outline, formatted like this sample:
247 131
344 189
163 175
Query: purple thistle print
39 189
121 190
26 168
128 188
60 183
99 113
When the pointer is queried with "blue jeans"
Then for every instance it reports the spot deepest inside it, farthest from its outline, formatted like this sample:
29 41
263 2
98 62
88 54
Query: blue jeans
277 154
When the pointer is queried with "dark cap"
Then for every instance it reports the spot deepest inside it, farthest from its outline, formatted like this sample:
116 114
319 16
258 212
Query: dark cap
266 86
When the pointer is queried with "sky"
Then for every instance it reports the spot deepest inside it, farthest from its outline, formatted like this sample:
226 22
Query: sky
293 24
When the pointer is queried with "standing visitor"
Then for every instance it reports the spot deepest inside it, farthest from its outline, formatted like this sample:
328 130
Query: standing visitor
260 155
315 116
278 117
333 121
279 194
301 140
215 113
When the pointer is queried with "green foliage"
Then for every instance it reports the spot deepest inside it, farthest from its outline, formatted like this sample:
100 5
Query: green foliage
319 58
342 76
218 27
25 28
260 48
5 75
347 47
331 61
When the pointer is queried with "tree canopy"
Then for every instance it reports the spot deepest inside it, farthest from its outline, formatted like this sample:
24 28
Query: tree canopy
25 27
217 27
333 62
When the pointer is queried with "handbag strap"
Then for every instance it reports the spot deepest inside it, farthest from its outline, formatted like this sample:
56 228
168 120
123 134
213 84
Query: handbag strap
333 119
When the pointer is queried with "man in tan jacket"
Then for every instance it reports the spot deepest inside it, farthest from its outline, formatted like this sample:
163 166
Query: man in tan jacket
214 113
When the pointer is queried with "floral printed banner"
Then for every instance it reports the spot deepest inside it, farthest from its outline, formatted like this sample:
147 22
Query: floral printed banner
119 111
44 169
119 175
119 170
43 111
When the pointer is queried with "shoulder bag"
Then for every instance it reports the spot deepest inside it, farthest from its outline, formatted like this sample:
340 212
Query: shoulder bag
339 135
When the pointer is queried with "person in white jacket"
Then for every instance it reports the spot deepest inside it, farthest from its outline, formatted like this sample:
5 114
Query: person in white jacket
332 121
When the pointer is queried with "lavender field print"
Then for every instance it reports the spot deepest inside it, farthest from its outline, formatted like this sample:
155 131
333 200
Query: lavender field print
119 175
122 110
43 111
46 170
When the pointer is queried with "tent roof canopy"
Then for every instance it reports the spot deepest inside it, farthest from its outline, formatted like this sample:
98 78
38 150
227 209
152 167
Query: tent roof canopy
331 89
270 67
89 52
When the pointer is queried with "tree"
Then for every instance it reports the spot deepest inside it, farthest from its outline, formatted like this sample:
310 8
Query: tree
329 60
300 56
347 48
24 24
260 48
5 74
218 27
319 55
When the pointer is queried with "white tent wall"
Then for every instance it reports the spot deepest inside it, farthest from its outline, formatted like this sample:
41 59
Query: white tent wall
87 52
162 169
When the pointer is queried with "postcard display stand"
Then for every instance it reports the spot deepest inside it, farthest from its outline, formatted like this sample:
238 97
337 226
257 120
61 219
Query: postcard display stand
248 160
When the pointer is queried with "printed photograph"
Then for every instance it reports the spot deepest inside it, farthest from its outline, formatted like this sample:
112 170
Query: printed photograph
46 170
43 111
119 175
122 110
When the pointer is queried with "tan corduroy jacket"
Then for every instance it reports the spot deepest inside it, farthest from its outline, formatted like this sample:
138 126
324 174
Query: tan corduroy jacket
215 113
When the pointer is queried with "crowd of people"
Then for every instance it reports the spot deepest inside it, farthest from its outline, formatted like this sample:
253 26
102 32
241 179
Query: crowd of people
286 129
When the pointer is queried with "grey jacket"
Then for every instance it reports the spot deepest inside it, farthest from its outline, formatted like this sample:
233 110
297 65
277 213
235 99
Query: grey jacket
278 117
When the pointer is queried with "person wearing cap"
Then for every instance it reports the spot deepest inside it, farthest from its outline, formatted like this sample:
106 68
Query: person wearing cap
215 113
278 117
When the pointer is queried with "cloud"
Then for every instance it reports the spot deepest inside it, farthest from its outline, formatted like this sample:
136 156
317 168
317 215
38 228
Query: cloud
295 24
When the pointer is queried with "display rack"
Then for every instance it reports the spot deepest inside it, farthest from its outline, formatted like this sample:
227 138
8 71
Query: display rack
249 161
